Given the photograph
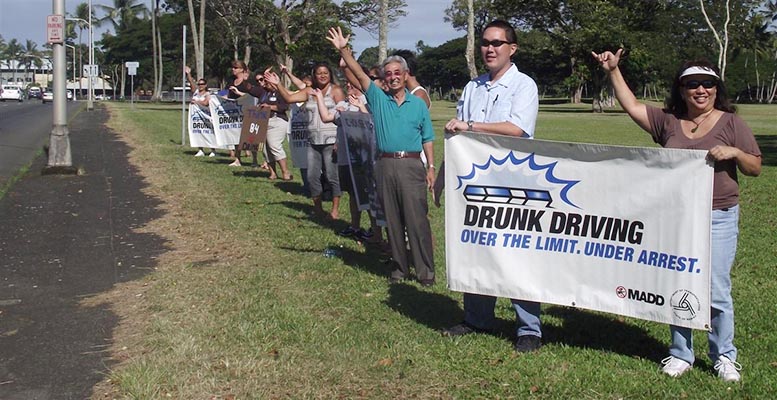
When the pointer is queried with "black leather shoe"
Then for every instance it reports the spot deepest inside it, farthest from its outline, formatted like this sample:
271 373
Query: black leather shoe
461 330
527 343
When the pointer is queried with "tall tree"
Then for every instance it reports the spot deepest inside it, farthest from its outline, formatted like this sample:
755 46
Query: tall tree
82 22
374 17
198 36
122 12
13 52
457 14
470 55
383 33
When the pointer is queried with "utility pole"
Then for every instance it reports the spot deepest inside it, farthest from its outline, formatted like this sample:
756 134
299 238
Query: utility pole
60 160
90 101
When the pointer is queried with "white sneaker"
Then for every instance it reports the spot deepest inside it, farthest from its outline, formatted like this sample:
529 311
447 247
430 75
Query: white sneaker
728 370
675 367
212 154
199 154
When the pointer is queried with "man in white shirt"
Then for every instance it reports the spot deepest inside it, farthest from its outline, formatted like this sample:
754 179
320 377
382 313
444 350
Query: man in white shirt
505 102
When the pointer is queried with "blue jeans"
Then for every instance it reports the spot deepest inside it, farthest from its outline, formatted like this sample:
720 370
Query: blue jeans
321 159
479 312
725 230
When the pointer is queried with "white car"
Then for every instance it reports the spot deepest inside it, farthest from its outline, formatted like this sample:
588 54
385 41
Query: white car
48 96
11 93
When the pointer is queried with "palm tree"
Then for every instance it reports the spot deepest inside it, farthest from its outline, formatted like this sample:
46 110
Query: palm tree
13 51
82 15
29 57
122 12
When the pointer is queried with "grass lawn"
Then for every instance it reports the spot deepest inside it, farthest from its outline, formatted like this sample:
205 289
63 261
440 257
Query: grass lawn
246 306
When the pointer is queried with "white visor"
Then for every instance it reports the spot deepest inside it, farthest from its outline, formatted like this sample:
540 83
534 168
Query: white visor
698 70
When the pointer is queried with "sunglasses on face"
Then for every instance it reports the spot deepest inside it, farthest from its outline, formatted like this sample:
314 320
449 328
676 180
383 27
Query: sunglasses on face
495 43
201 83
707 84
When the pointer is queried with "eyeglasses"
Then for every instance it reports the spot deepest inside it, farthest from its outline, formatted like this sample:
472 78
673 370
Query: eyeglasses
202 83
495 43
707 83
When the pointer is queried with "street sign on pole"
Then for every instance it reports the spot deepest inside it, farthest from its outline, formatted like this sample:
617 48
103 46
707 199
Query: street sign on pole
55 29
91 70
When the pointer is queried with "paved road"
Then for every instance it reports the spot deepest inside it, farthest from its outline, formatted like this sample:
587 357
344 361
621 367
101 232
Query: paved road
63 240
24 129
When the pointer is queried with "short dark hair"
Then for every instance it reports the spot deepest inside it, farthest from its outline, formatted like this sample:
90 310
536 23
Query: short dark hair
409 57
504 25
675 103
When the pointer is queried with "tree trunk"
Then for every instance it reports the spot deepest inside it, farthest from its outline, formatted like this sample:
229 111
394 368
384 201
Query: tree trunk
383 33
198 37
158 88
470 54
722 43
154 50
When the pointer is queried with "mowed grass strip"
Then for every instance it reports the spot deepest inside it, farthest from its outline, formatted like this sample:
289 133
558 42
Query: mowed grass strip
250 307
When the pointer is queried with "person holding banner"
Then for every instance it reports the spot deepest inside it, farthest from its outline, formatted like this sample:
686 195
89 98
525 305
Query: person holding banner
356 103
323 135
238 84
200 98
504 102
277 126
699 115
403 129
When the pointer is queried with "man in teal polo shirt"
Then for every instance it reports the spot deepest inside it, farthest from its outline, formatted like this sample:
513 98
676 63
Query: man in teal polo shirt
403 129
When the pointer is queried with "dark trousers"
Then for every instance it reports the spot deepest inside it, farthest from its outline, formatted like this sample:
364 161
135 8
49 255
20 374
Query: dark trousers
402 184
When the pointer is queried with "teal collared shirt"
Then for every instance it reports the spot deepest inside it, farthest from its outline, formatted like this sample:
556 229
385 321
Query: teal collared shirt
399 127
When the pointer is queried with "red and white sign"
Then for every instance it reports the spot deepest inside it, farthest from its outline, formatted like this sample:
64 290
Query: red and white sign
55 29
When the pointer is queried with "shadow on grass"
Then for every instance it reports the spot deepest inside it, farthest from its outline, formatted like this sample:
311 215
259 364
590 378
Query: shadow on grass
591 330
65 241
768 145
579 328
432 309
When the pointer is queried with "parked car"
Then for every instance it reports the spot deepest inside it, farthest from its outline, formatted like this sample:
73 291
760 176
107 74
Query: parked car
48 96
34 92
11 93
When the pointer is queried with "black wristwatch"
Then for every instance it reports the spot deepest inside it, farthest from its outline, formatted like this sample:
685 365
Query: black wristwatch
469 125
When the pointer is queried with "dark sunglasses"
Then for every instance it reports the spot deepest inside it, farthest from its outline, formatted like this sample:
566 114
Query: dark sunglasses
202 83
495 43
707 83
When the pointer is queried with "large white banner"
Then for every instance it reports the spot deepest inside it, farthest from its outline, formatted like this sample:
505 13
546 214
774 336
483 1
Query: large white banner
617 229
201 132
227 117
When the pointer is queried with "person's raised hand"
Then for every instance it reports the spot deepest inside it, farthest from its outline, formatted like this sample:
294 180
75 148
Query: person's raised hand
316 92
272 77
607 60
284 69
336 37
187 70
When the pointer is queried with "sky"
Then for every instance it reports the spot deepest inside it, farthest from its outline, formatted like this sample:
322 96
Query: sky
26 19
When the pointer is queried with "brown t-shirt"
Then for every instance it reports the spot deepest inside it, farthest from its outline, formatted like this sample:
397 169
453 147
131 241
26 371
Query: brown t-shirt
730 130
